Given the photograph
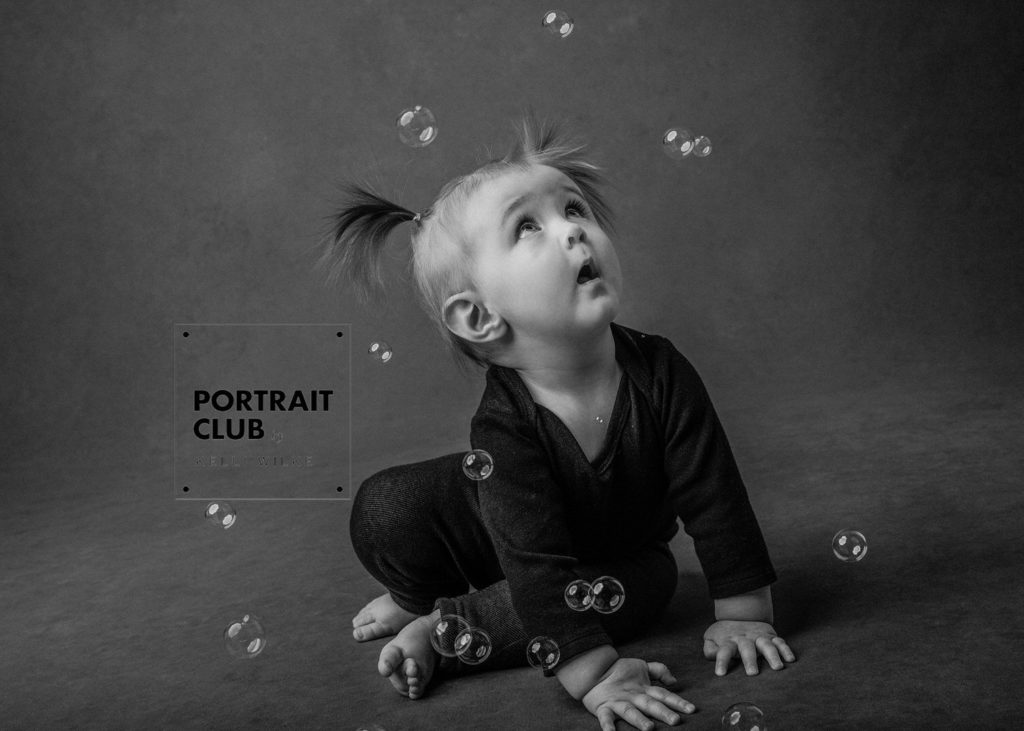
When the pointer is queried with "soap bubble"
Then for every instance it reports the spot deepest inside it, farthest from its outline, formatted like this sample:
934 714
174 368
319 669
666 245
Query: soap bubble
701 147
743 717
416 126
542 652
849 545
245 639
607 595
371 727
379 350
477 464
473 646
558 22
220 514
445 631
677 142
578 596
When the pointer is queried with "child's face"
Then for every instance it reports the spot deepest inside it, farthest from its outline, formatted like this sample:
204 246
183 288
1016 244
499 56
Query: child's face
529 254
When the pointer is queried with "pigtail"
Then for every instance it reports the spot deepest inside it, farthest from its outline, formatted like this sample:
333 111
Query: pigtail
355 243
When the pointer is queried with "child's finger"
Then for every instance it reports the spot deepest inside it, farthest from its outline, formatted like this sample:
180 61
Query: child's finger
606 717
748 653
671 699
786 652
710 649
631 714
770 652
657 710
722 658
660 672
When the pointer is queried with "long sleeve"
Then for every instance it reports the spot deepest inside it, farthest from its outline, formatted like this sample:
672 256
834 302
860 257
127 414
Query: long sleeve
522 506
705 486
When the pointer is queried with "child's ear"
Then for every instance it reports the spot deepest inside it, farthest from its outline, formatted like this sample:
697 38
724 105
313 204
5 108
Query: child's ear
467 316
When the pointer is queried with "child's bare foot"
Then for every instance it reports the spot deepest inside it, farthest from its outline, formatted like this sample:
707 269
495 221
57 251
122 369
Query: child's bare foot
409 659
380 618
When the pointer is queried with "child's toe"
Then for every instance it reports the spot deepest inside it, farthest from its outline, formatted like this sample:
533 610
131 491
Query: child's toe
399 682
369 631
390 659
416 685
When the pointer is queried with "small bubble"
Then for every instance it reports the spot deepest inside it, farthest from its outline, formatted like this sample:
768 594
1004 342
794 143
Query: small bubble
677 142
701 147
849 545
607 595
542 652
558 23
445 632
220 514
477 464
380 351
416 126
473 646
743 717
245 639
578 596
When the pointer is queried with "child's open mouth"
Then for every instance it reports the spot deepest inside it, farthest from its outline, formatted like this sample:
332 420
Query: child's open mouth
588 273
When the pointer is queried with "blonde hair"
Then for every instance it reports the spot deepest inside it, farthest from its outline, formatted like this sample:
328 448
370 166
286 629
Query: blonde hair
442 258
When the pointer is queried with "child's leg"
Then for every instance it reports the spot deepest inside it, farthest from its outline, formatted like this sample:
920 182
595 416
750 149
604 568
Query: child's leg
417 530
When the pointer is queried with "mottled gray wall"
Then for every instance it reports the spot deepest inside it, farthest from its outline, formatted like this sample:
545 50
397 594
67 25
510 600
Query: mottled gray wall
859 218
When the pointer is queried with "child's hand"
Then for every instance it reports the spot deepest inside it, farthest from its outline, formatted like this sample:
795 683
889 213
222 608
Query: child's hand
626 691
725 637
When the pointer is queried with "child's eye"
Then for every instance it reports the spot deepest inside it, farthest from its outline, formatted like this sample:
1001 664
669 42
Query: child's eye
524 221
579 205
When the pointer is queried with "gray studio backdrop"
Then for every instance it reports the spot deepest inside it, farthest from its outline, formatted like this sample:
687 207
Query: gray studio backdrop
858 219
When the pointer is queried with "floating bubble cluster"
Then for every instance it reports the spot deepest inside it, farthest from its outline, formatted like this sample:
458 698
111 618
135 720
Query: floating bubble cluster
416 126
849 545
607 595
445 632
542 652
477 464
220 514
578 596
380 351
558 23
245 639
473 646
678 142
743 717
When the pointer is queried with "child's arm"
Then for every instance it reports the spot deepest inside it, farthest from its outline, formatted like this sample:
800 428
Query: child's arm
754 606
710 498
583 672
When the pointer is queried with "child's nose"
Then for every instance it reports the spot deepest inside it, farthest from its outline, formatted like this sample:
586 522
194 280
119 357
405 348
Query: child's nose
574 234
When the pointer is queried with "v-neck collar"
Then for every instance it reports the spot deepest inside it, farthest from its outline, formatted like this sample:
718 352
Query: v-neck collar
611 434
625 357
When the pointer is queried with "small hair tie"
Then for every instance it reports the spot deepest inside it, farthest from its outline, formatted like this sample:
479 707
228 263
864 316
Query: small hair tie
416 218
